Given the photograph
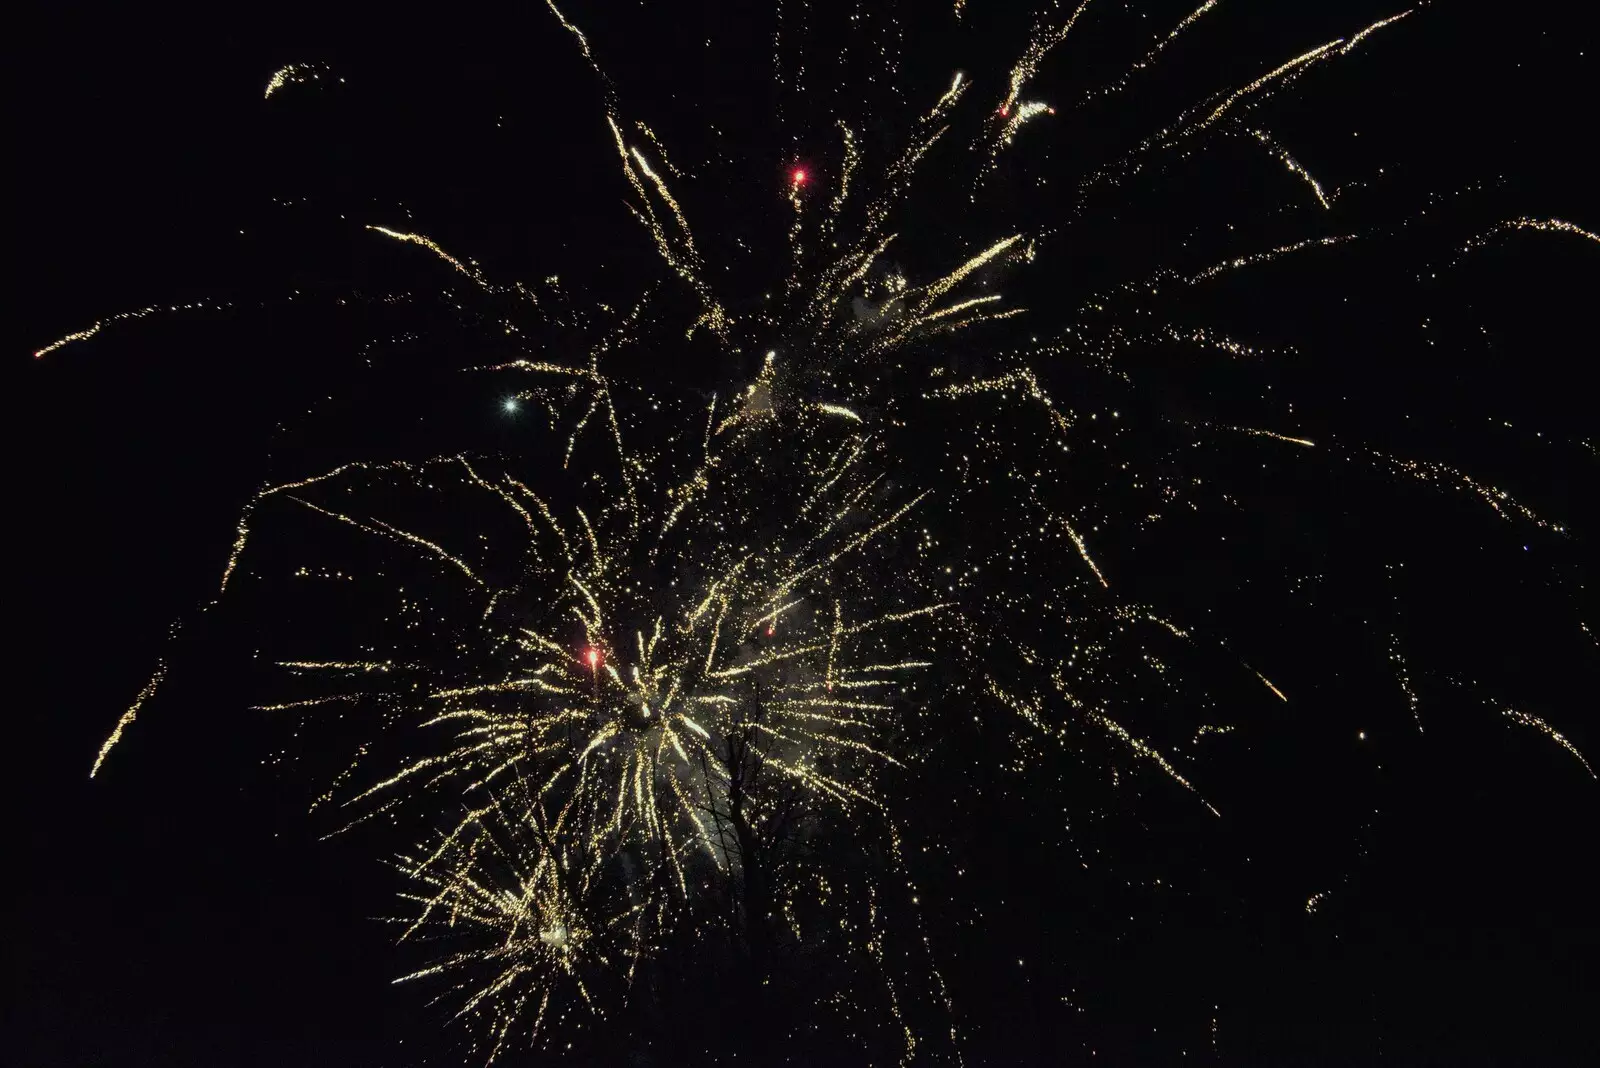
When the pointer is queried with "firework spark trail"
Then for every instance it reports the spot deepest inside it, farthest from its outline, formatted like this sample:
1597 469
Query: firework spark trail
1292 165
1150 57
1083 551
1258 433
304 703
241 538
242 530
1288 72
1188 126
429 244
1031 711
294 74
1040 44
1440 474
1529 720
1561 226
1023 377
94 329
145 694
1266 79
128 717
80 335
583 42
1189 20
678 252
1267 256
1279 694
1525 222
1404 678
140 313
1144 750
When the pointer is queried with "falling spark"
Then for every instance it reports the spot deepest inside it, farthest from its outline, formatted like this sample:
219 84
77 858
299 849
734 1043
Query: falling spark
431 246
294 74
128 717
1529 720
1083 551
1293 166
140 313
1268 684
1274 435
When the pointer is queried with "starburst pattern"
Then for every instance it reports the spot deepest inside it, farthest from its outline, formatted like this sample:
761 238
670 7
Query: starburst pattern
655 670
708 629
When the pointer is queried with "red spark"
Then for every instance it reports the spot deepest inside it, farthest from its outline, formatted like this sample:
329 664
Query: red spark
593 656
798 176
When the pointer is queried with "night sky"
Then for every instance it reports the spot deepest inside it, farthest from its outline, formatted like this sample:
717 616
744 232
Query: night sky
180 909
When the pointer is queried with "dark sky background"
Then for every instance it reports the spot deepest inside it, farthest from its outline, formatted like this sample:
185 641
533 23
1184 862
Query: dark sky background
179 910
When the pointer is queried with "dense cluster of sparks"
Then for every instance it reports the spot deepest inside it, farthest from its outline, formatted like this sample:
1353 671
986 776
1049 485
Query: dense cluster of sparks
294 74
669 656
1529 720
619 688
690 654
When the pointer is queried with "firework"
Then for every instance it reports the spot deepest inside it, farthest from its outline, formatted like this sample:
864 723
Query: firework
661 662
676 640
536 917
